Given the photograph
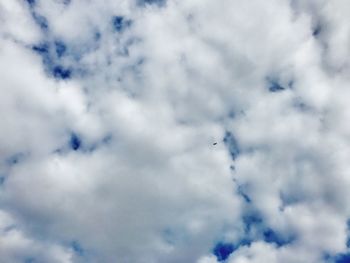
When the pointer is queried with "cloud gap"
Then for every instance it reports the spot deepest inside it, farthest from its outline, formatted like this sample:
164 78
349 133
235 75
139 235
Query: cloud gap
274 85
41 21
77 248
60 48
256 229
223 250
31 3
232 145
271 236
242 191
341 258
51 54
120 23
75 142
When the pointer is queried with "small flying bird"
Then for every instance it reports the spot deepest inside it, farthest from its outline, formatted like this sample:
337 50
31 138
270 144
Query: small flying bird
215 143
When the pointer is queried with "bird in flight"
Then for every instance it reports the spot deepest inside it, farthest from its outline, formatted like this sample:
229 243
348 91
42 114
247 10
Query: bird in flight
215 143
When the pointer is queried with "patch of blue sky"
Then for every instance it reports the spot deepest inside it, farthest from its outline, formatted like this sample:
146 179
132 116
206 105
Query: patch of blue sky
97 36
75 142
60 48
340 258
51 54
348 234
60 72
317 30
41 48
62 60
288 199
243 193
271 236
77 248
41 21
50 50
31 2
252 219
222 250
232 145
256 229
275 85
242 189
120 23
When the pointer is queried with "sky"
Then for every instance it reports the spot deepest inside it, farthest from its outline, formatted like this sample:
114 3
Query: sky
166 131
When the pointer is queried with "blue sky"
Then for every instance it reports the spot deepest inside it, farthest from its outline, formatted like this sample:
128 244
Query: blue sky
151 131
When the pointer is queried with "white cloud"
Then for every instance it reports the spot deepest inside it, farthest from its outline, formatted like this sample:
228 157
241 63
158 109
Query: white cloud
108 126
16 246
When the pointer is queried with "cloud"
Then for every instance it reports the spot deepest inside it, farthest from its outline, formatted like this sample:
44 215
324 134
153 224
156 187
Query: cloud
174 131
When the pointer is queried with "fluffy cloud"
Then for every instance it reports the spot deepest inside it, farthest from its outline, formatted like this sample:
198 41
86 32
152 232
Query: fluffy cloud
174 131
